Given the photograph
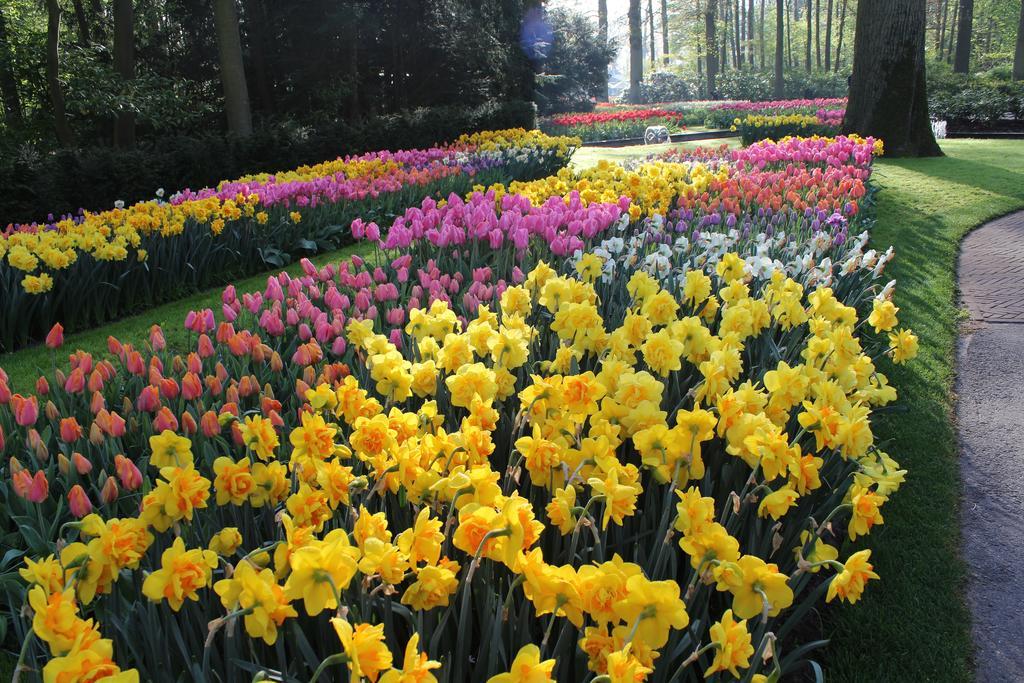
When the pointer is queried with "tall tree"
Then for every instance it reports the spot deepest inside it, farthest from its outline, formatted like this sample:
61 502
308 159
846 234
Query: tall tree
828 36
817 32
750 33
1018 55
650 30
952 31
964 31
888 97
760 39
664 32
124 64
780 84
842 30
789 39
636 51
83 23
60 117
737 31
810 34
602 35
232 68
940 32
710 22
8 82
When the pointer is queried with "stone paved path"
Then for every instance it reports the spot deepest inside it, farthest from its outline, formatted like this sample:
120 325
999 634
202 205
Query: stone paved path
990 418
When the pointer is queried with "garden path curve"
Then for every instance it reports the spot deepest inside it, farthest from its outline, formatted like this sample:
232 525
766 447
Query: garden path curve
990 420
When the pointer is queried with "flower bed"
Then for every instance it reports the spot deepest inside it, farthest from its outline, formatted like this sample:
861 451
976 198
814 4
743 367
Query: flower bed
632 449
723 114
611 125
89 269
756 127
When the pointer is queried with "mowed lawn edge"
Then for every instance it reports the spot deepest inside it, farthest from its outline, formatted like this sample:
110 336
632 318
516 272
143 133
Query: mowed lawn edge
914 625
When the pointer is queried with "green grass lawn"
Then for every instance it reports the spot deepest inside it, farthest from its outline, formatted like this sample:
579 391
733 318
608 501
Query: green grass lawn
912 625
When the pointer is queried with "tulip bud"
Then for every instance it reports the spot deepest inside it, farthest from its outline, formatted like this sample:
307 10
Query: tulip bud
42 454
39 489
109 492
78 502
276 364
55 338
178 365
156 338
188 424
209 423
96 437
97 403
165 419
51 411
42 386
81 463
21 482
63 464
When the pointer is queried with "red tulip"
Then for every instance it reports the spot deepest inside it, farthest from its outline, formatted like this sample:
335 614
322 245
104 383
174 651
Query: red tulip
75 383
81 463
26 409
70 430
156 338
39 489
127 472
42 387
78 502
55 338
165 419
209 424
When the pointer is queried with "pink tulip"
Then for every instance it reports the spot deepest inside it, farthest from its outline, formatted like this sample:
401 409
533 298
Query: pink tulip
55 338
78 502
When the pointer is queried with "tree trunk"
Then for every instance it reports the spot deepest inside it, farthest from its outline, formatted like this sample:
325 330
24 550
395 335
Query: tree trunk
780 83
8 82
962 58
810 34
839 41
664 32
700 62
750 33
817 33
350 65
789 41
60 116
828 36
650 29
124 64
1018 55
952 32
97 11
636 51
940 28
737 55
232 69
888 98
761 34
602 36
83 24
710 20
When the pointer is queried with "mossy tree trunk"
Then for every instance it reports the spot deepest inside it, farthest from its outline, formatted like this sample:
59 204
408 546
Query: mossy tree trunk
888 98
710 21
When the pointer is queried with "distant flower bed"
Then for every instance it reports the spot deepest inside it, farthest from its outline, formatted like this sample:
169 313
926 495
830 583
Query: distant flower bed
756 127
723 114
611 125
84 270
